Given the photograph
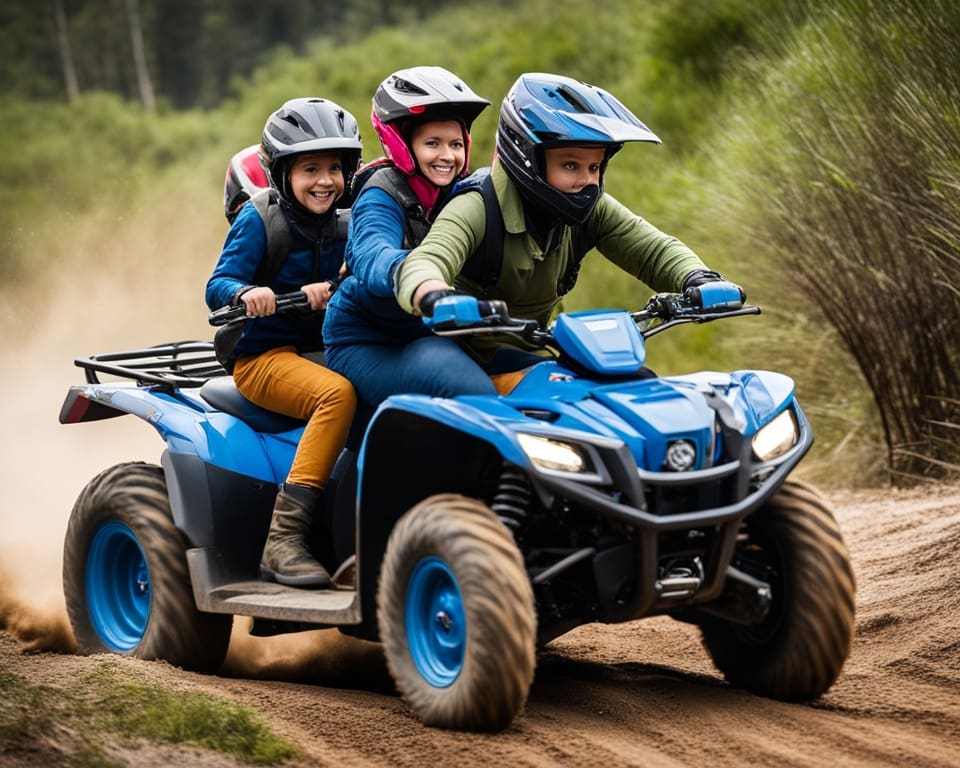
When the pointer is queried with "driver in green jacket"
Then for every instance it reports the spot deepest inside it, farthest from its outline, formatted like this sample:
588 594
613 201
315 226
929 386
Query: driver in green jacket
555 136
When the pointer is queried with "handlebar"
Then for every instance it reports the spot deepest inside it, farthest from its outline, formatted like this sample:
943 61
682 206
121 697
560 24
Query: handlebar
662 311
665 310
286 302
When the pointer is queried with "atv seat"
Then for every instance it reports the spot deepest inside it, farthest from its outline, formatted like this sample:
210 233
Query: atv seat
221 392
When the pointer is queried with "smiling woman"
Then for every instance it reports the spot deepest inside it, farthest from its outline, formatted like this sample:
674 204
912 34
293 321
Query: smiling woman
423 117
440 151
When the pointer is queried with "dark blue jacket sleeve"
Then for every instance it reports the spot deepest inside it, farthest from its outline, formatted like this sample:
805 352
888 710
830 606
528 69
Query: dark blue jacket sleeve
243 251
375 245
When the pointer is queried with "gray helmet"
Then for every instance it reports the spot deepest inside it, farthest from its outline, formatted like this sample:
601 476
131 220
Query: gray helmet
309 125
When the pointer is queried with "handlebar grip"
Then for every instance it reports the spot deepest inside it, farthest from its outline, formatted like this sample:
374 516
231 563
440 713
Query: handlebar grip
430 299
224 315
463 311
286 302
492 308
718 295
454 311
292 302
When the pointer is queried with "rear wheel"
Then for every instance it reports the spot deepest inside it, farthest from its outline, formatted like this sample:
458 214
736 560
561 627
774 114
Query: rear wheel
456 615
798 650
125 577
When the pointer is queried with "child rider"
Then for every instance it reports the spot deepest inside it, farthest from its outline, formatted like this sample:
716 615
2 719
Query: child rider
311 148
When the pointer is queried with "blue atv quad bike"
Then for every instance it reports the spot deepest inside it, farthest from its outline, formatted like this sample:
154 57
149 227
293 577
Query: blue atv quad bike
471 531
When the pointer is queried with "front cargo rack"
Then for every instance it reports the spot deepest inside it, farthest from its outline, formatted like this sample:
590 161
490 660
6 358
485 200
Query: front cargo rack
179 364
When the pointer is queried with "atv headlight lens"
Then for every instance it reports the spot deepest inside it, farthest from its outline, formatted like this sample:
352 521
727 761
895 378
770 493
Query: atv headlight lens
681 456
553 454
775 439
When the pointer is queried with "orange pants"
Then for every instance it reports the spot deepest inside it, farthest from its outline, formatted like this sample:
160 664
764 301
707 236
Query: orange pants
281 380
505 382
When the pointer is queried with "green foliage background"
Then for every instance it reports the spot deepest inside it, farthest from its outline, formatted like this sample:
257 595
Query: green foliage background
751 99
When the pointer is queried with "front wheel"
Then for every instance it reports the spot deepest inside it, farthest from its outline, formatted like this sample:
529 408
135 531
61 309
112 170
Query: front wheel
798 650
456 615
125 578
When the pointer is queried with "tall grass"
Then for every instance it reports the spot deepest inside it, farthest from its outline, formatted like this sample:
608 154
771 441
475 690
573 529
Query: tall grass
855 189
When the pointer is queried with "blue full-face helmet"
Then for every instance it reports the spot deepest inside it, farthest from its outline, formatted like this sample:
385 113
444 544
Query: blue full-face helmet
543 111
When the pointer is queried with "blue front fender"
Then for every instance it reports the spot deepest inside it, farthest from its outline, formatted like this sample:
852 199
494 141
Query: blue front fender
484 418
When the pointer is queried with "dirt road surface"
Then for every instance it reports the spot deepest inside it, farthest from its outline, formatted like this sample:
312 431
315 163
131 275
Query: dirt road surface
642 693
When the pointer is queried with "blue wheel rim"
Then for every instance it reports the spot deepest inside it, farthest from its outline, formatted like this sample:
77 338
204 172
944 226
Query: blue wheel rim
436 622
117 587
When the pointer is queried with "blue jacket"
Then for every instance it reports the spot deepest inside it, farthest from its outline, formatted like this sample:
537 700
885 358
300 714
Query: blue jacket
311 260
364 309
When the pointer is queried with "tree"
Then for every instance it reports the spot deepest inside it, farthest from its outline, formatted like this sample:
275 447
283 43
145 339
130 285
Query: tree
139 59
66 57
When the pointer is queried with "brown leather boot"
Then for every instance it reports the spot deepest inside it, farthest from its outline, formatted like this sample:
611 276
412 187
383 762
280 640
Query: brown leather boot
286 558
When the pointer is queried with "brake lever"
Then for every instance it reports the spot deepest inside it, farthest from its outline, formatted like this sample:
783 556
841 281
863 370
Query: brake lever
286 302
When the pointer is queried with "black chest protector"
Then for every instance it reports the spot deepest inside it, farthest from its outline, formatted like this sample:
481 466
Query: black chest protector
279 244
279 236
382 174
484 265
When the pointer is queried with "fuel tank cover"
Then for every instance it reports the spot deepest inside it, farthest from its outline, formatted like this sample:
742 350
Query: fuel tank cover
608 343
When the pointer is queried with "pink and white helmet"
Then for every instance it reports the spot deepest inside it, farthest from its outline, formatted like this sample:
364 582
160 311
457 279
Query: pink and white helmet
416 95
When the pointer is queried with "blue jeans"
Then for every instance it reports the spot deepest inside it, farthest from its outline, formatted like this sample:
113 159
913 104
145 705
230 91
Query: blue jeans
431 365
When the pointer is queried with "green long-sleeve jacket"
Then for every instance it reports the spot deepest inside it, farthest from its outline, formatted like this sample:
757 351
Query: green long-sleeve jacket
529 276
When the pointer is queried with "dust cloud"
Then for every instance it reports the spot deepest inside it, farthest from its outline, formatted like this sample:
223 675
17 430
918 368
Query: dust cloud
322 656
146 289
45 464
36 629
85 297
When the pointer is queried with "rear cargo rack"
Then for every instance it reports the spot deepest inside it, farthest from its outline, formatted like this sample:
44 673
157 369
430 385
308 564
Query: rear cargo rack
179 364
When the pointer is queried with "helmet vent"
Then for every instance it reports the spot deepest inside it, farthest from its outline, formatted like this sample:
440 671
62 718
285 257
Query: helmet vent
574 100
405 86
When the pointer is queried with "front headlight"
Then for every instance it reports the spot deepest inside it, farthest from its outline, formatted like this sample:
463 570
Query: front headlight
775 439
554 455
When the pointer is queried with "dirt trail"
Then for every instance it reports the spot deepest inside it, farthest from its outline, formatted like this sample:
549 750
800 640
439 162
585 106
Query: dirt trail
643 693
